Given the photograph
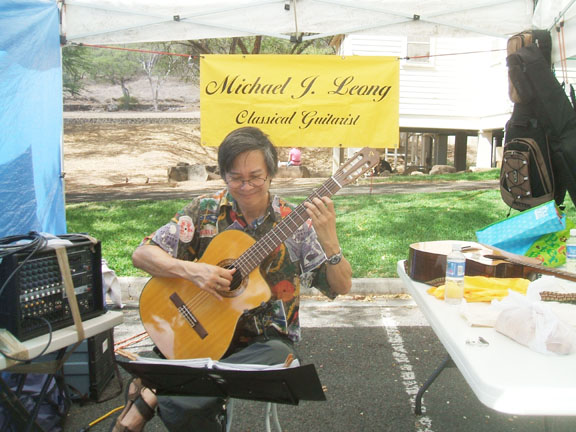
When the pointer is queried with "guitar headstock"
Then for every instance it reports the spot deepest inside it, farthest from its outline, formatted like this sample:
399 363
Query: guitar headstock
357 165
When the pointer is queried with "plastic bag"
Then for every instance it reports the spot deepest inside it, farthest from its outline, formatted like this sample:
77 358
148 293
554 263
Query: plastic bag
111 285
532 323
516 234
484 288
550 249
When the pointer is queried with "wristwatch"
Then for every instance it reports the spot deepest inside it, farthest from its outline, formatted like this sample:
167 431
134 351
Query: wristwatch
335 259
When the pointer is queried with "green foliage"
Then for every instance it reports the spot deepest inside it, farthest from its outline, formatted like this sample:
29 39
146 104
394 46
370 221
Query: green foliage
115 66
251 45
375 231
258 45
120 67
320 46
127 103
120 226
158 66
75 66
492 174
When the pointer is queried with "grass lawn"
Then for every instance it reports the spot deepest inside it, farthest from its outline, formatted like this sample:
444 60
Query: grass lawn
375 231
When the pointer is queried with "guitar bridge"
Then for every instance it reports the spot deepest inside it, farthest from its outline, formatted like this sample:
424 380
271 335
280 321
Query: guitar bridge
187 314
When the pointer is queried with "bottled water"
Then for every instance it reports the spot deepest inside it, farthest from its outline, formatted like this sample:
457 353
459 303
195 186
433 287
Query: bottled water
455 267
571 252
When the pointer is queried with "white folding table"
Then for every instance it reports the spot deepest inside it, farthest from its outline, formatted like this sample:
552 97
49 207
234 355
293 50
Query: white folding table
68 336
505 375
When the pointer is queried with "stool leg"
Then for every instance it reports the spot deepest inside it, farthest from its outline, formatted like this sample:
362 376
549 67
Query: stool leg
229 414
272 411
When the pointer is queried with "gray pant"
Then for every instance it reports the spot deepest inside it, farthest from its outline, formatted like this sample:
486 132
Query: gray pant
207 414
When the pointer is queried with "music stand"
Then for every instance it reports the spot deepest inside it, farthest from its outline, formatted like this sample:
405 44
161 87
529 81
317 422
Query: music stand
286 386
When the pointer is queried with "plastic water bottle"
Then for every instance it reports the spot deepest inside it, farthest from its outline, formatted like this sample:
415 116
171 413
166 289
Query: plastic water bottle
455 268
571 252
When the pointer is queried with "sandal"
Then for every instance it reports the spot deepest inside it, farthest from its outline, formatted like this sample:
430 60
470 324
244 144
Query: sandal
133 398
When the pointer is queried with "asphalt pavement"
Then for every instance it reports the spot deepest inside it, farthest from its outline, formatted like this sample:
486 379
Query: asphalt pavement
372 352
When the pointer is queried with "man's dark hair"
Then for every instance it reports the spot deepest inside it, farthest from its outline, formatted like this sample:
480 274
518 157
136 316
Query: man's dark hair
246 139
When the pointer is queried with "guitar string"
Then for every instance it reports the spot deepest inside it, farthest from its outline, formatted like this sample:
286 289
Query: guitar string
248 256
255 254
197 300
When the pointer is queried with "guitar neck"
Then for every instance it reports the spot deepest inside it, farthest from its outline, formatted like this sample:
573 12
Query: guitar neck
550 271
353 168
254 255
530 264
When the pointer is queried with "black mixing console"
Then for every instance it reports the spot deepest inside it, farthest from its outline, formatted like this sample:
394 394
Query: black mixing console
35 292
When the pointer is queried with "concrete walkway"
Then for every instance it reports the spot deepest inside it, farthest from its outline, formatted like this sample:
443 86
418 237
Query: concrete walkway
285 187
132 287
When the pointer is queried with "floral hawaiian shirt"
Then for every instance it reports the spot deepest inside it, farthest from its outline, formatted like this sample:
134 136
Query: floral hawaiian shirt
297 262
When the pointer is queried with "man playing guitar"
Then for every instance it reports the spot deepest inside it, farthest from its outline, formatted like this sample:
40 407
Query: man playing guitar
309 256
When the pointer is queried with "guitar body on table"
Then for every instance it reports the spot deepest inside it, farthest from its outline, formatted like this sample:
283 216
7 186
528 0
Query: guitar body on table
427 262
185 321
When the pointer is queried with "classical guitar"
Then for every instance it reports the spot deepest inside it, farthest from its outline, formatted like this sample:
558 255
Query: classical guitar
185 321
427 262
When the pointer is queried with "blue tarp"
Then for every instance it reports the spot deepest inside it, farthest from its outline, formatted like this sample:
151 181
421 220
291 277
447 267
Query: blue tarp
31 187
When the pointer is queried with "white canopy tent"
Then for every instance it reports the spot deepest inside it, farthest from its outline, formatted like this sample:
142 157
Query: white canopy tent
133 21
128 21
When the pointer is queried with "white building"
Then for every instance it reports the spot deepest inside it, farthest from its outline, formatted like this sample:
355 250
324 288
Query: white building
452 91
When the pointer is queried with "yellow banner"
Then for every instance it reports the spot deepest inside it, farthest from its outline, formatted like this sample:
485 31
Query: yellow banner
301 100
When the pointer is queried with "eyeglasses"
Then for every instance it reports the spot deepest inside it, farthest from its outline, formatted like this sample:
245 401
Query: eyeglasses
254 182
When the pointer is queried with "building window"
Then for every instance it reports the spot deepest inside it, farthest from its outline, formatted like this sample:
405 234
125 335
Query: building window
418 51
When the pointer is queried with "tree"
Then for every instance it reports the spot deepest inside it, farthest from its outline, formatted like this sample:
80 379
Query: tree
258 45
255 45
118 68
158 67
75 65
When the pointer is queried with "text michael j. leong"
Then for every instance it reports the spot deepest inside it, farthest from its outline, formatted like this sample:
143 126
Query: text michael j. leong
308 86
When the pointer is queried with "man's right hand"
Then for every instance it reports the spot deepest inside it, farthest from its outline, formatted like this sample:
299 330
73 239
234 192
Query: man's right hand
210 278
158 263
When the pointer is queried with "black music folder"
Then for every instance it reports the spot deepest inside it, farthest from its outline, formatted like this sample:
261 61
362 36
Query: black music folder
205 377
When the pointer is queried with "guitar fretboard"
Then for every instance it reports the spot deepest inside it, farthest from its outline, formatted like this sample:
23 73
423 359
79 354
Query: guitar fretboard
255 254
353 168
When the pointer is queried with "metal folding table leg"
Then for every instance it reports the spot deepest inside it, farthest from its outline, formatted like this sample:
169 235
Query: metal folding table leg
447 362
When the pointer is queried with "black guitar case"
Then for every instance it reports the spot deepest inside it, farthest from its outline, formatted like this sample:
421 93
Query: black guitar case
537 86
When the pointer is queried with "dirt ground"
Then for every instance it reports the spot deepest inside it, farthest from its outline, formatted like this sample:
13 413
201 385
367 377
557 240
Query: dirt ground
100 157
109 151
104 153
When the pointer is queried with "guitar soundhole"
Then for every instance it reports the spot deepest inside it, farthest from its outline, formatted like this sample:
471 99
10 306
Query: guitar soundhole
238 284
